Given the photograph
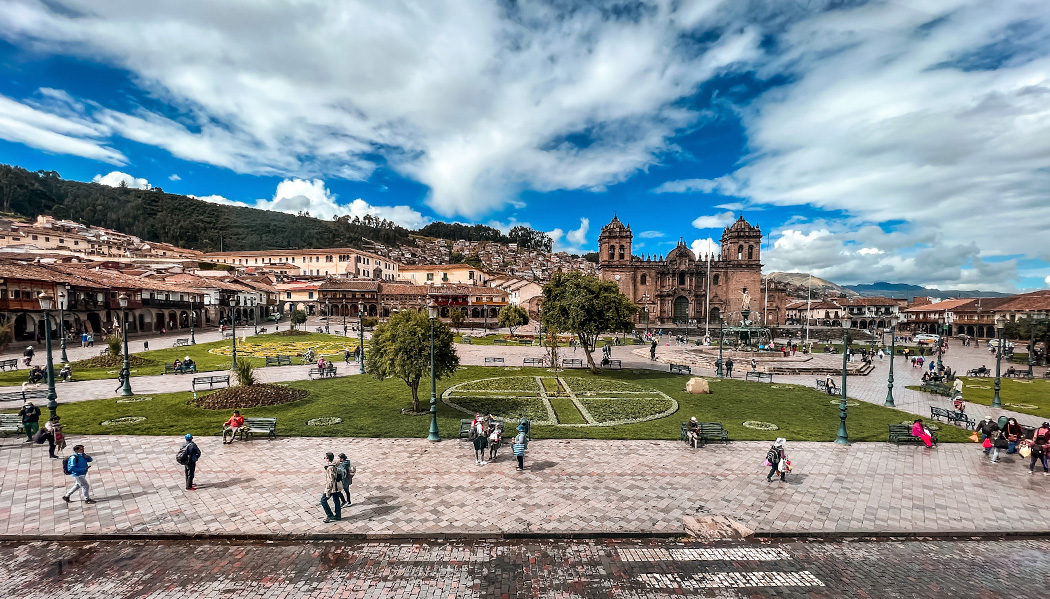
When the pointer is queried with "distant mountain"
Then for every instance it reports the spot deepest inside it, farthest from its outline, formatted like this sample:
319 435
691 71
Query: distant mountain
798 283
906 291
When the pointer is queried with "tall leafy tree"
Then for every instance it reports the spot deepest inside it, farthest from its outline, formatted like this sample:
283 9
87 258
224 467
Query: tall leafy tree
456 317
513 316
585 306
400 348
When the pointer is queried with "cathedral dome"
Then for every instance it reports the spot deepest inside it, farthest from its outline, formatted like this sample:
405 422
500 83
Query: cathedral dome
681 251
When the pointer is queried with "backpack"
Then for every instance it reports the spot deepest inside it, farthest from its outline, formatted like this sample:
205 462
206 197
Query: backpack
772 456
67 465
183 455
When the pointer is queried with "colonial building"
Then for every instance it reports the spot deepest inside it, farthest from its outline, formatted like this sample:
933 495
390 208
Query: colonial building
684 289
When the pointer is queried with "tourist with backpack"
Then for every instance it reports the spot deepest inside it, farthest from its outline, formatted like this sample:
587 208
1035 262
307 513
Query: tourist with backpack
188 455
77 466
345 471
777 460
331 490
521 443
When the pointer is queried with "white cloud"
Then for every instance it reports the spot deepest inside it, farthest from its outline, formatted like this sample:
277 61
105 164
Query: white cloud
505 227
476 100
217 199
405 216
715 221
703 247
174 177
575 238
689 185
869 251
578 237
651 234
1047 280
115 178
55 126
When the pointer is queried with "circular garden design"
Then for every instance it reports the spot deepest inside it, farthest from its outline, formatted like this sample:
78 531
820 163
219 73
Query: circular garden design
561 401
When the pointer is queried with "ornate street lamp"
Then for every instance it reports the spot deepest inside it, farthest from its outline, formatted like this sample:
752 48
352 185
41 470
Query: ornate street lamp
255 311
433 436
843 436
122 299
1031 345
46 302
999 326
893 352
62 298
327 316
361 332
940 344
193 319
721 343
233 329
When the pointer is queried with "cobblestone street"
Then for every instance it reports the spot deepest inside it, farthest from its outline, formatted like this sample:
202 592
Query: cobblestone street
600 568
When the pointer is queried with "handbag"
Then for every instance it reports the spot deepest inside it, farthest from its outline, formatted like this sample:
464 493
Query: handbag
40 436
1025 451
987 443
975 438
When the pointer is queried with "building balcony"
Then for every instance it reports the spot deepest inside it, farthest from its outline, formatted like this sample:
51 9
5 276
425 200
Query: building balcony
30 305
164 304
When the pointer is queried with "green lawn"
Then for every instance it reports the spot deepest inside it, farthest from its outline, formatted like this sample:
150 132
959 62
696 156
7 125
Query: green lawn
1033 397
205 359
371 408
490 339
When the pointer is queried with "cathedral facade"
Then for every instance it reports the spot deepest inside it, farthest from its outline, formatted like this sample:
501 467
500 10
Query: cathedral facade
682 289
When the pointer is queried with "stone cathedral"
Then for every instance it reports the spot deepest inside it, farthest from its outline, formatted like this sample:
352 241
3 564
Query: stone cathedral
679 289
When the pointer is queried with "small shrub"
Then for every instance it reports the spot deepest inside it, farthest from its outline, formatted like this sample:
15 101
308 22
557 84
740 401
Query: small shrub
115 345
245 373
369 322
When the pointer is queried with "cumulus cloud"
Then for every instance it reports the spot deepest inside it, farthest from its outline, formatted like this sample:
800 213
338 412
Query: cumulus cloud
1047 280
703 247
476 100
572 241
115 178
405 216
174 177
714 221
651 234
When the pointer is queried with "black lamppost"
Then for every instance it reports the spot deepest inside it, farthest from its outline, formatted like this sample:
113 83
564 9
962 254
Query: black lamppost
1031 345
721 343
893 347
255 311
233 329
193 319
46 301
343 309
65 359
999 325
433 436
327 317
843 436
125 390
361 332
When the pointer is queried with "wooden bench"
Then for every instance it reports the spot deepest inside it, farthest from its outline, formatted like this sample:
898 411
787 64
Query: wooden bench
680 369
937 387
253 426
762 377
23 395
712 431
534 362
499 342
467 340
952 417
976 373
612 364
329 370
227 335
262 330
494 360
12 363
181 343
572 363
10 423
278 360
901 433
211 380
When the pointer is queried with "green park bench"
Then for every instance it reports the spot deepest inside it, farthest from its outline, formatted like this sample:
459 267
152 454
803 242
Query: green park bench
12 363
267 426
327 371
210 380
680 369
762 377
10 423
952 417
534 362
278 360
901 433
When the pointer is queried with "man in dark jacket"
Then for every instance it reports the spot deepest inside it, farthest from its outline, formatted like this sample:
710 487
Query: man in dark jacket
986 428
193 453
30 420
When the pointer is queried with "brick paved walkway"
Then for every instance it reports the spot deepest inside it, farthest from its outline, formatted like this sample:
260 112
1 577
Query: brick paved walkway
411 487
575 569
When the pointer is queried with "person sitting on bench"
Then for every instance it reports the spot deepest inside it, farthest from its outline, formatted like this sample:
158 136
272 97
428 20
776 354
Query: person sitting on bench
188 365
36 375
830 384
232 427
693 431
66 374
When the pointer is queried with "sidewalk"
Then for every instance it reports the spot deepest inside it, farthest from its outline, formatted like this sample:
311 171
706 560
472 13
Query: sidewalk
412 488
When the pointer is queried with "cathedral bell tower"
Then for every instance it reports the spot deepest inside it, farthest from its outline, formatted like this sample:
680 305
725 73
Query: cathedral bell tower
614 244
742 242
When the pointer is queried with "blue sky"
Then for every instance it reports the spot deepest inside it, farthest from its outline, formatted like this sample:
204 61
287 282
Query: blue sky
870 140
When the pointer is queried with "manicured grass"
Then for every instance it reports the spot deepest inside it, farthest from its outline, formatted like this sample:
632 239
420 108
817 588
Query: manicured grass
206 361
566 411
371 408
489 340
1018 392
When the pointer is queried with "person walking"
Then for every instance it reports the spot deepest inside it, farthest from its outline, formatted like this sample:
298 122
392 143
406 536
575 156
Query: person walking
52 433
121 377
754 364
729 367
27 355
776 457
521 443
78 466
30 420
1040 450
1013 432
83 340
479 437
345 476
192 453
145 345
985 430
652 350
331 490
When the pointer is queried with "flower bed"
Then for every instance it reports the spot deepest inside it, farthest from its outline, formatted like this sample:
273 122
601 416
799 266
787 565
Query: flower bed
324 421
614 410
595 385
508 383
123 420
762 426
250 396
109 362
284 348
135 399
505 407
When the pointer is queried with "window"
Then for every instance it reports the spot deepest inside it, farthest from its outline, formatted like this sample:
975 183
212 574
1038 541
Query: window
35 238
76 242
430 276
612 252
470 275
681 278
621 252
45 239
740 252
287 295
750 252
60 240
643 279
714 280
310 294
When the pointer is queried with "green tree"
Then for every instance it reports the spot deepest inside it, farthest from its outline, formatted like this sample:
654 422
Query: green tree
297 317
586 307
456 317
512 316
400 348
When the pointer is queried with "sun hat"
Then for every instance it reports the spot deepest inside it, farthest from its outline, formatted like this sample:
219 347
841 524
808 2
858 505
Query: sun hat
693 419
779 442
189 437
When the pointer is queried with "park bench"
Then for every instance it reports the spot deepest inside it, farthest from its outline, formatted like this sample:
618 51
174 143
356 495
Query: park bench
170 368
104 352
467 340
534 362
227 335
524 341
952 417
1018 374
762 377
822 384
181 343
12 363
23 395
572 363
1046 375
494 360
499 342
253 426
680 369
10 423
707 431
901 433
262 330
612 364
978 373
322 372
211 380
278 360
937 387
